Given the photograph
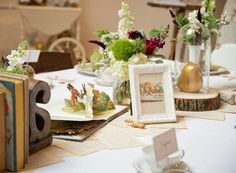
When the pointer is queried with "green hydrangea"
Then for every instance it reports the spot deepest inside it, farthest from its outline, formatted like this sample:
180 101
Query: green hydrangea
122 49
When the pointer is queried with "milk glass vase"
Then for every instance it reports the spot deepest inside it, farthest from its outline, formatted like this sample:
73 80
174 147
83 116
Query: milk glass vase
192 58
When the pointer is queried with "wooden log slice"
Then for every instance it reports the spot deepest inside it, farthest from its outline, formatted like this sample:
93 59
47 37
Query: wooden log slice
201 101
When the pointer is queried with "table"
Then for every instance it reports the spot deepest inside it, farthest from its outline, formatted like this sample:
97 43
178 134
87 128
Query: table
209 145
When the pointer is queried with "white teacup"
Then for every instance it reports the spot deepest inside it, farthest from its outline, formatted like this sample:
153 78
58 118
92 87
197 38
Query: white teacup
149 156
104 74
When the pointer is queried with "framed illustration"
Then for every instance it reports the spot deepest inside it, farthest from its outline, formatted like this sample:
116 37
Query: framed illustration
152 93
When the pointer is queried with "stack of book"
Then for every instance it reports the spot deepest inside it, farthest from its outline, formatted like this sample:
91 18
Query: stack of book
14 121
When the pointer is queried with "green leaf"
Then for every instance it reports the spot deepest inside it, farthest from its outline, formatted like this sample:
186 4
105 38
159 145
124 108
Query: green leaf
162 32
100 33
181 20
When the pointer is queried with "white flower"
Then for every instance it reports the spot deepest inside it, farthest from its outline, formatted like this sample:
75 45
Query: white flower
192 17
190 31
126 23
119 70
193 21
121 13
16 58
110 54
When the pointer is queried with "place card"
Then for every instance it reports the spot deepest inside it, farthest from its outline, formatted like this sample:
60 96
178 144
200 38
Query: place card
32 55
165 144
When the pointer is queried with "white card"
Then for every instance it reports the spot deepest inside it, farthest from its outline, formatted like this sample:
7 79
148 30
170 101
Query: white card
32 55
165 144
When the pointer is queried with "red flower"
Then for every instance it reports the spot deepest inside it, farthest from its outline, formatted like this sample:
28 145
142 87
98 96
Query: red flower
153 43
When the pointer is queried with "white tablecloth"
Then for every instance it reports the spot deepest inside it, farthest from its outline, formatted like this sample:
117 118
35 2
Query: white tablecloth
210 146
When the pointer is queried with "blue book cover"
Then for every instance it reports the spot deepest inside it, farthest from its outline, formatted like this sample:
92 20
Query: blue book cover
14 154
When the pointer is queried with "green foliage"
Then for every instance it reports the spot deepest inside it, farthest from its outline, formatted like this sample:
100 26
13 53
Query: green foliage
209 6
210 22
122 49
139 46
196 37
181 20
100 33
162 32
16 70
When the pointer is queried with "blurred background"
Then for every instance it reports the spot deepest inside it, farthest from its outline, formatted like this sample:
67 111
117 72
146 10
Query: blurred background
33 25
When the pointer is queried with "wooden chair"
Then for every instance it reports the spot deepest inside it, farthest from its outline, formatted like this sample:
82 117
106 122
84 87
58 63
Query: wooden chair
53 61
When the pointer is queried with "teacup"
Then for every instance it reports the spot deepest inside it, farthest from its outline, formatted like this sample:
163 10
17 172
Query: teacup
149 156
104 74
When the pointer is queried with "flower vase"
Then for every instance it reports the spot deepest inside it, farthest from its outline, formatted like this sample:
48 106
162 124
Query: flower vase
192 65
194 53
121 92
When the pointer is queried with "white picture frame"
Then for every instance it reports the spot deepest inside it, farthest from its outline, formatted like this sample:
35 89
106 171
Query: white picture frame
152 93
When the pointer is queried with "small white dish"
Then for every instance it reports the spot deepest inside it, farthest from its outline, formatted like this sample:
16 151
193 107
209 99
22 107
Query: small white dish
101 82
149 156
142 166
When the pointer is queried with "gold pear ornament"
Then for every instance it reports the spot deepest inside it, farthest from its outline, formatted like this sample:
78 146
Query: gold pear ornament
190 79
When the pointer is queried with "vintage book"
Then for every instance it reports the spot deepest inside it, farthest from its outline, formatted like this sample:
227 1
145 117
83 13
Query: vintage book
2 133
72 127
25 80
14 91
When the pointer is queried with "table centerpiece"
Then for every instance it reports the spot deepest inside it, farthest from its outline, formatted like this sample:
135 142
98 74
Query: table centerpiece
195 41
124 47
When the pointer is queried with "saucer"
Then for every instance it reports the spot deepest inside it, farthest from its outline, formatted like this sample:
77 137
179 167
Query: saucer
142 166
101 82
86 70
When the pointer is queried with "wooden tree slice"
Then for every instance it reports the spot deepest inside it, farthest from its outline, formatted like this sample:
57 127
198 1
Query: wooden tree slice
201 101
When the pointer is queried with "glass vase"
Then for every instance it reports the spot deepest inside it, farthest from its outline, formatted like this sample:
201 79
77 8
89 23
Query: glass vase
192 60
121 92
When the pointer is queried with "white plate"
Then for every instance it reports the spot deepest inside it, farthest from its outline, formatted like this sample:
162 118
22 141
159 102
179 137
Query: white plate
87 70
220 70
102 82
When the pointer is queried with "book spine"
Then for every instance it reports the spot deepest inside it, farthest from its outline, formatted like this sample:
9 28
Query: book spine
26 119
20 121
2 133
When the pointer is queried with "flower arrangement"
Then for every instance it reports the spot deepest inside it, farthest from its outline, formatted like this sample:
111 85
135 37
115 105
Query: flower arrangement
127 46
13 62
201 23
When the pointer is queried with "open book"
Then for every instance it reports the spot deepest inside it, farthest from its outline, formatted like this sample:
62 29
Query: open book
68 126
